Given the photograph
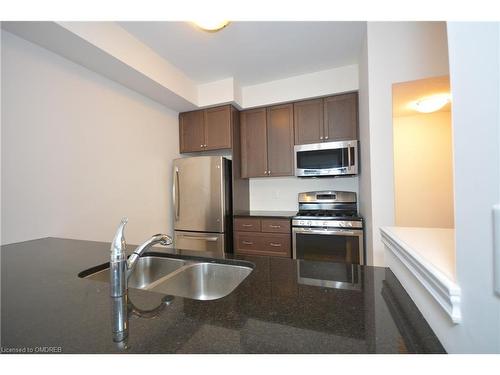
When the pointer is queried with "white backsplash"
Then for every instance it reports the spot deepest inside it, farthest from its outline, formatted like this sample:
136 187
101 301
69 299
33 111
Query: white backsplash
280 193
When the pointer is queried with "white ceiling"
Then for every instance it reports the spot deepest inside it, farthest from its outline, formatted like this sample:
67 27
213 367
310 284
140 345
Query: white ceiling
252 52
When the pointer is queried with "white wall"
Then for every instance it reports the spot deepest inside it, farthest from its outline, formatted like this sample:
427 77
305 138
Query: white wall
281 193
365 195
423 170
219 92
396 52
79 151
475 73
325 82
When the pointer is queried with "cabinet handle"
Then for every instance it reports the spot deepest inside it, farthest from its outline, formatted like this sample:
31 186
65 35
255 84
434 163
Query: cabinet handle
205 146
268 173
321 137
201 146
274 244
275 226
326 137
247 225
247 242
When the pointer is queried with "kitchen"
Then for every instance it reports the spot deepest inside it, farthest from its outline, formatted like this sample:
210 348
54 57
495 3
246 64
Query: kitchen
277 183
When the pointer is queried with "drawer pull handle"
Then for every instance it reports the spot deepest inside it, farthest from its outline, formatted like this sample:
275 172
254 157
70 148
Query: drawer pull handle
275 226
247 242
247 225
274 244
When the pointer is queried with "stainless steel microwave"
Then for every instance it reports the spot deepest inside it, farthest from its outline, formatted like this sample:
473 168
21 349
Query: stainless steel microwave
326 159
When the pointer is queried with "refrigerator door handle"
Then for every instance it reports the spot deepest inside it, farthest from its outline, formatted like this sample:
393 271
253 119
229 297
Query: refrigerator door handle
210 239
175 193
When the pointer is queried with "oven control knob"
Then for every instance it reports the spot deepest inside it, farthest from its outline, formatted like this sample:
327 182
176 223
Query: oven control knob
349 224
325 223
341 224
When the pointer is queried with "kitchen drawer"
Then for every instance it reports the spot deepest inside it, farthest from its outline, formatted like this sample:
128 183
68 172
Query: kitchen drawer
246 241
254 243
247 224
277 244
275 225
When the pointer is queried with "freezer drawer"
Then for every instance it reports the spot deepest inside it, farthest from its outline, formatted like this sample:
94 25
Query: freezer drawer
196 241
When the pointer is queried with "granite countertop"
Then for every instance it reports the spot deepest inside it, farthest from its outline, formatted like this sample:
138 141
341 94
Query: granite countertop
283 306
276 214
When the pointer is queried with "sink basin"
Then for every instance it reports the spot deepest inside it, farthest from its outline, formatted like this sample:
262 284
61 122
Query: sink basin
204 281
149 269
195 279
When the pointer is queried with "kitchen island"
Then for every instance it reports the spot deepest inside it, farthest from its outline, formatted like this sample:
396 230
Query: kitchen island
283 306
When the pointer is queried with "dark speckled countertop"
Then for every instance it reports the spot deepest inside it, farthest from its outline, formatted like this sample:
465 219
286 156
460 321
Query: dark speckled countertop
280 307
271 214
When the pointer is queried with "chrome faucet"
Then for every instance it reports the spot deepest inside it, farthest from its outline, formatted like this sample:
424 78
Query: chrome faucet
121 268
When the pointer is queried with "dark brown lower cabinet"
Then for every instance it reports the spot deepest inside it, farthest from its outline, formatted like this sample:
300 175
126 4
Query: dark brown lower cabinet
262 236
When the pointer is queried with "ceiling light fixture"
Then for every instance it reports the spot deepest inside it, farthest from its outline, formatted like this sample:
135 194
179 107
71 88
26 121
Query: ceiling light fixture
211 25
431 103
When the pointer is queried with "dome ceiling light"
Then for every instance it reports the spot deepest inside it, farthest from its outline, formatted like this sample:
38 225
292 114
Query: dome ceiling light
211 25
431 103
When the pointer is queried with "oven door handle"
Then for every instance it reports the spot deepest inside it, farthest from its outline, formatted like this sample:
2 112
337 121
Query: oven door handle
348 156
339 232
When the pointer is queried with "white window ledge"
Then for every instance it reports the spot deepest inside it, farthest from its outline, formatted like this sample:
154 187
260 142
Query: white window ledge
429 254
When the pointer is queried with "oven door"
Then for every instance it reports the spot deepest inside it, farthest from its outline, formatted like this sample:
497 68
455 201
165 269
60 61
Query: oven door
333 245
326 159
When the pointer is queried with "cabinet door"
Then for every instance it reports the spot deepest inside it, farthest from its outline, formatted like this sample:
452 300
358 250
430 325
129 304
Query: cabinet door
308 121
253 143
341 117
280 140
218 128
191 131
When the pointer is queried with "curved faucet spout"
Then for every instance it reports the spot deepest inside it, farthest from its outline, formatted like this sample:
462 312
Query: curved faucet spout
161 239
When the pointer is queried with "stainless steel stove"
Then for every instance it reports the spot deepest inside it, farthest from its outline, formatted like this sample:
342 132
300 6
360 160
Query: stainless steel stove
328 228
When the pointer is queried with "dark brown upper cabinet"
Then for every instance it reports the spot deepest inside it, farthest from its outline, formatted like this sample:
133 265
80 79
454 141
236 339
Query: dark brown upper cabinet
308 121
218 128
280 140
206 129
253 143
267 141
191 131
341 117
330 119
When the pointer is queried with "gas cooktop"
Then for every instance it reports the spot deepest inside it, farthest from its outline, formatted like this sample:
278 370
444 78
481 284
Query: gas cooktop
335 209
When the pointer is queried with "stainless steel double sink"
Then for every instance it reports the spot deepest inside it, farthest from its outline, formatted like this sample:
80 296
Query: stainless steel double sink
196 279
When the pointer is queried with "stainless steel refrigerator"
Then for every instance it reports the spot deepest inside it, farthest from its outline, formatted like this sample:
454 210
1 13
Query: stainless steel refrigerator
202 204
